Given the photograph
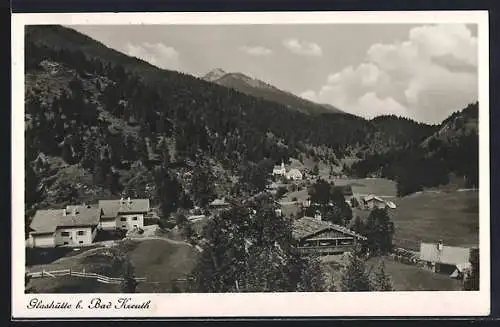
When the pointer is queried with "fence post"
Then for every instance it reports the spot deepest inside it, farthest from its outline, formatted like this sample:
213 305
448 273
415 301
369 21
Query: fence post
43 270
83 271
70 271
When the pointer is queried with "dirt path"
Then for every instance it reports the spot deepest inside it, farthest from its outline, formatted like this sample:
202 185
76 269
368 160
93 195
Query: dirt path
158 238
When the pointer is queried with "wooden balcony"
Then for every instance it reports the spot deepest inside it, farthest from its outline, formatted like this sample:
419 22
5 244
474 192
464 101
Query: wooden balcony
324 250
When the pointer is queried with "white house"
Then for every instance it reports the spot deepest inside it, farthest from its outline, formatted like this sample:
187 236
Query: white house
294 174
279 170
71 226
123 213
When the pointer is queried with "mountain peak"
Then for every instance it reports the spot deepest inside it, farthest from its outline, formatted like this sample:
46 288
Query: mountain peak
214 75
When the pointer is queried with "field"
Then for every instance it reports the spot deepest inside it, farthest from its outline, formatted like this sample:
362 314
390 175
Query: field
378 186
404 277
452 217
158 260
412 278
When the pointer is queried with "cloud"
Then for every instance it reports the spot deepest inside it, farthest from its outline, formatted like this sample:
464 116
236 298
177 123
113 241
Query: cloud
426 77
157 54
303 48
256 50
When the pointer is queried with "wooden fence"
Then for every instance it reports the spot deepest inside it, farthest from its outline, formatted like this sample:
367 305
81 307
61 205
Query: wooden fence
84 274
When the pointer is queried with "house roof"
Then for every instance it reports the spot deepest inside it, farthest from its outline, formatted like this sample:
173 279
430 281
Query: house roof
372 197
218 202
307 226
451 255
294 171
47 221
111 208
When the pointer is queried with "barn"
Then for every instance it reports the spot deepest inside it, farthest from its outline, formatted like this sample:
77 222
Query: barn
315 236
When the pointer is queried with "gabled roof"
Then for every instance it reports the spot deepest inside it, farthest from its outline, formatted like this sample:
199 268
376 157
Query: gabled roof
307 226
47 221
451 255
219 202
372 197
111 208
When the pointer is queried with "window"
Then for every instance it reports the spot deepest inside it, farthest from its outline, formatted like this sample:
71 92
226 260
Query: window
134 218
65 234
65 243
81 232
81 242
123 219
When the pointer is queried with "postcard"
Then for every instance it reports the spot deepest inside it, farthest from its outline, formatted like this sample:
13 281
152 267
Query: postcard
305 164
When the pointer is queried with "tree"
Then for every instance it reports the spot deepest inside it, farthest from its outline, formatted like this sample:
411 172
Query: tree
168 191
32 191
313 278
129 282
357 225
379 230
315 170
320 192
354 277
202 187
381 281
471 281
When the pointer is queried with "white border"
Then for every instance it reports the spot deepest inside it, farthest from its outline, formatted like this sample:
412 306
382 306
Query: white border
261 304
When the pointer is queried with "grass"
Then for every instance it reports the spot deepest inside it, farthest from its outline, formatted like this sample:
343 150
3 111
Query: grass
452 217
377 186
404 277
159 261
412 278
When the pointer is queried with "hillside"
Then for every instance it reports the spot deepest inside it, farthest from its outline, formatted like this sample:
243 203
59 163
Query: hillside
257 88
452 150
100 123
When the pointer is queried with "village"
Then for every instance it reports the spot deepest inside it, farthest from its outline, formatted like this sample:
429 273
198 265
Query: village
102 224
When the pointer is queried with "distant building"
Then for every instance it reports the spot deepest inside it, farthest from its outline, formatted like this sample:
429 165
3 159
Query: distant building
279 170
452 260
219 204
125 214
314 236
294 174
372 201
71 226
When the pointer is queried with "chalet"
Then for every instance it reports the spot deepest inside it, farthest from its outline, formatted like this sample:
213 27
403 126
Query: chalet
71 226
372 201
314 236
452 260
123 213
294 174
279 170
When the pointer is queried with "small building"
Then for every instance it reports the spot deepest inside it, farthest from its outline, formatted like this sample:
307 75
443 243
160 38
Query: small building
279 170
294 174
314 236
452 260
71 226
219 204
372 201
122 213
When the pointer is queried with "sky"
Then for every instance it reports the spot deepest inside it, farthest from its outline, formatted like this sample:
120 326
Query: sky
423 72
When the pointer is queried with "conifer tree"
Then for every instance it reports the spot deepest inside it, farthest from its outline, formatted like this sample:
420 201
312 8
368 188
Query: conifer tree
380 280
128 284
354 277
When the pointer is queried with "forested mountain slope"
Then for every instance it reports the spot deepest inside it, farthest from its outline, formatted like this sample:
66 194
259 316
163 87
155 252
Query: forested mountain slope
453 149
100 123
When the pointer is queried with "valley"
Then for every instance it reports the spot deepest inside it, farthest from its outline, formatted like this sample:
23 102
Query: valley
226 164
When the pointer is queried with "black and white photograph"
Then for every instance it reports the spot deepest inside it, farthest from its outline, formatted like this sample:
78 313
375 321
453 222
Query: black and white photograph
318 156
